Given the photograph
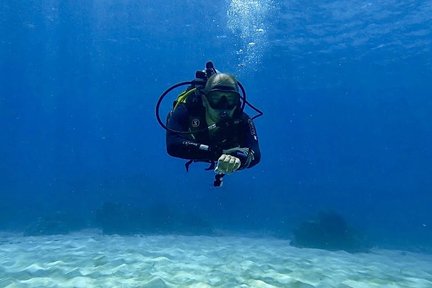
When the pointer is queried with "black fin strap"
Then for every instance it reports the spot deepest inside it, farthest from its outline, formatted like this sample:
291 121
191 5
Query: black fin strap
188 164
212 166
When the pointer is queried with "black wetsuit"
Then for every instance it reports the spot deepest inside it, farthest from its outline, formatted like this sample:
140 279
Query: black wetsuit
205 145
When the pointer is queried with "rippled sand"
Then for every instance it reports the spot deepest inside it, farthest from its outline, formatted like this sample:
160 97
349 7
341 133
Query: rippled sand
93 260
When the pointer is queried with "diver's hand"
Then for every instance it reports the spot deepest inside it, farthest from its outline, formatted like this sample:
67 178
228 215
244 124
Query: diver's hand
227 164
246 155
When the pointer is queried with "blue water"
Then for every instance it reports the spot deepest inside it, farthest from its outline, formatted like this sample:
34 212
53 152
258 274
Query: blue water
345 87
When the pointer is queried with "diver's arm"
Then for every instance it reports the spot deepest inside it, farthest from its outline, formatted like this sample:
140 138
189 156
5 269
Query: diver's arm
182 145
248 151
250 141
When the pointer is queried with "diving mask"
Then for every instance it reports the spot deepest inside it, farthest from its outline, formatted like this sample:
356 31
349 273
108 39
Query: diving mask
223 100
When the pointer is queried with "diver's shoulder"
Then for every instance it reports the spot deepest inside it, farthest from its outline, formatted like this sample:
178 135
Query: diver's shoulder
244 116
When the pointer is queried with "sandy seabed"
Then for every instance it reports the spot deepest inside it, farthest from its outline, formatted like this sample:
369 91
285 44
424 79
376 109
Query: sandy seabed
94 260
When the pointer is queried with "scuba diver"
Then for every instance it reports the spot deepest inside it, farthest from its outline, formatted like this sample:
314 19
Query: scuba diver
208 124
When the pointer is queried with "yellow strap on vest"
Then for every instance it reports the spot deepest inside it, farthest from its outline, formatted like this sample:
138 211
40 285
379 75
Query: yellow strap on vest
183 96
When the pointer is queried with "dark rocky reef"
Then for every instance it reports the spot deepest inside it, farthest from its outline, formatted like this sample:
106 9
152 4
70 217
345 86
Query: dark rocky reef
56 223
116 218
329 231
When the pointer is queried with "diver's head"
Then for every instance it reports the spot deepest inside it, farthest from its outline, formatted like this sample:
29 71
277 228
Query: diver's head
221 96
